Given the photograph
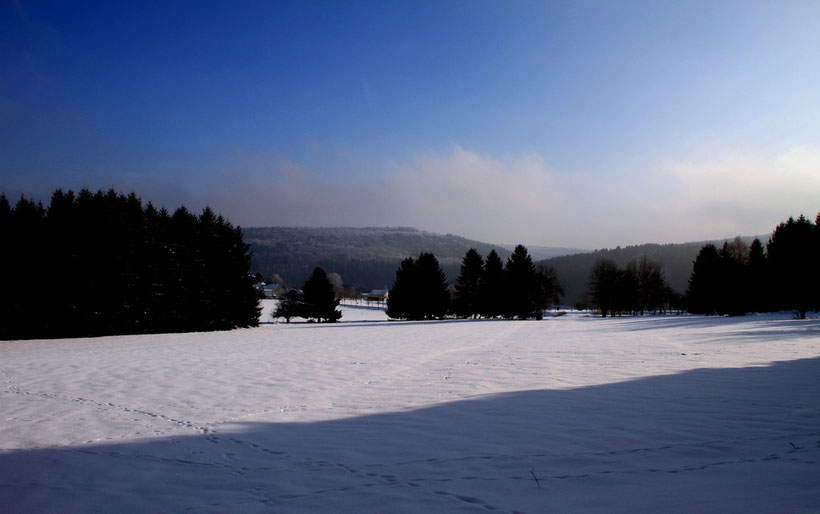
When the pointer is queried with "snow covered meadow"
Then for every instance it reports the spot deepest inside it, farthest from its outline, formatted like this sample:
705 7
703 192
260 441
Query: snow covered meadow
568 414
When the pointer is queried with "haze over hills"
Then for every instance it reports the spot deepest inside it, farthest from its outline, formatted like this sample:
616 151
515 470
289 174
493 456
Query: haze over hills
367 258
676 260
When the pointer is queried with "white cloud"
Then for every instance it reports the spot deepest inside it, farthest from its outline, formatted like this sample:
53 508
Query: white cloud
520 198
459 191
475 195
742 195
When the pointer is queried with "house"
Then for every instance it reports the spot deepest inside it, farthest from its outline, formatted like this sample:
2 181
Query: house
376 295
273 290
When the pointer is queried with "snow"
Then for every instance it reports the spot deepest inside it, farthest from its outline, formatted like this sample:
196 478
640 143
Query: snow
673 414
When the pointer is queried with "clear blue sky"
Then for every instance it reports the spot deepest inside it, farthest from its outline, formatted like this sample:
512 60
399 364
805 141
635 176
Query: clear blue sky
583 124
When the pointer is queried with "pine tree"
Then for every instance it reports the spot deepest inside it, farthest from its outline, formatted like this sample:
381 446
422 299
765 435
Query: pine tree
521 285
468 285
491 291
758 284
401 299
793 258
704 283
419 291
433 297
320 300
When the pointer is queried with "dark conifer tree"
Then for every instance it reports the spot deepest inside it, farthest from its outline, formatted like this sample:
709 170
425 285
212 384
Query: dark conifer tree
758 283
434 299
704 284
320 300
521 285
793 258
419 291
491 299
401 298
468 285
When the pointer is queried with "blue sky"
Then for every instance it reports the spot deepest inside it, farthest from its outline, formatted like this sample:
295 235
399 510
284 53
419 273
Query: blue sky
585 124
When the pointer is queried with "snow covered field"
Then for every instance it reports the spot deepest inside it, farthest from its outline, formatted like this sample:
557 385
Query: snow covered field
569 414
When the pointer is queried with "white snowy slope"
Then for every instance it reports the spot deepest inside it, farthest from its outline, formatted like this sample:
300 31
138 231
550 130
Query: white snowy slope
569 414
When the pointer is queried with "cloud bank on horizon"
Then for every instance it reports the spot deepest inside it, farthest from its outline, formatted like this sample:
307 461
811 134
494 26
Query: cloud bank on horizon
523 199
584 125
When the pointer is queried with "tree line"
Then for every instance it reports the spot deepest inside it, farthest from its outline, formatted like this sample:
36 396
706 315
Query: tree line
92 264
486 288
637 288
737 279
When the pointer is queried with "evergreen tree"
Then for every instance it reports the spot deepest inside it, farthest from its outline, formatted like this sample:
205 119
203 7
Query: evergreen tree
735 278
420 290
402 297
758 283
320 300
521 286
468 285
793 257
290 306
433 297
704 284
491 291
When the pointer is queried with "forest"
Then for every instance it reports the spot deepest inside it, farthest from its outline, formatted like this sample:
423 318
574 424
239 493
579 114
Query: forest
91 264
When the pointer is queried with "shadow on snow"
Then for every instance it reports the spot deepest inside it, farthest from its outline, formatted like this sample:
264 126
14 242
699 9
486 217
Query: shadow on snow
710 439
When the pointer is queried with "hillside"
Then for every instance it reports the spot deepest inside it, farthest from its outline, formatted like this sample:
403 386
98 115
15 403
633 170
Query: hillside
676 259
365 257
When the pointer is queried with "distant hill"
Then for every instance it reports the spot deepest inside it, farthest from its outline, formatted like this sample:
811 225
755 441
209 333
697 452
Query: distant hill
676 259
547 252
366 258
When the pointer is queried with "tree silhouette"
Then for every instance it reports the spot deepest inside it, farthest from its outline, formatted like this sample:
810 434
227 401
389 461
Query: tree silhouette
468 285
548 291
320 299
521 286
122 268
402 299
792 252
704 284
419 291
290 306
758 283
491 297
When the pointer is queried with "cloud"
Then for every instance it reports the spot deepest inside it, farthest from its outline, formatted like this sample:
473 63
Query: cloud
512 199
459 191
742 195
522 199
476 195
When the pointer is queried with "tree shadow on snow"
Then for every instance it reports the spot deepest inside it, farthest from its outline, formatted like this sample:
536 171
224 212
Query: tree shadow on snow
736 439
